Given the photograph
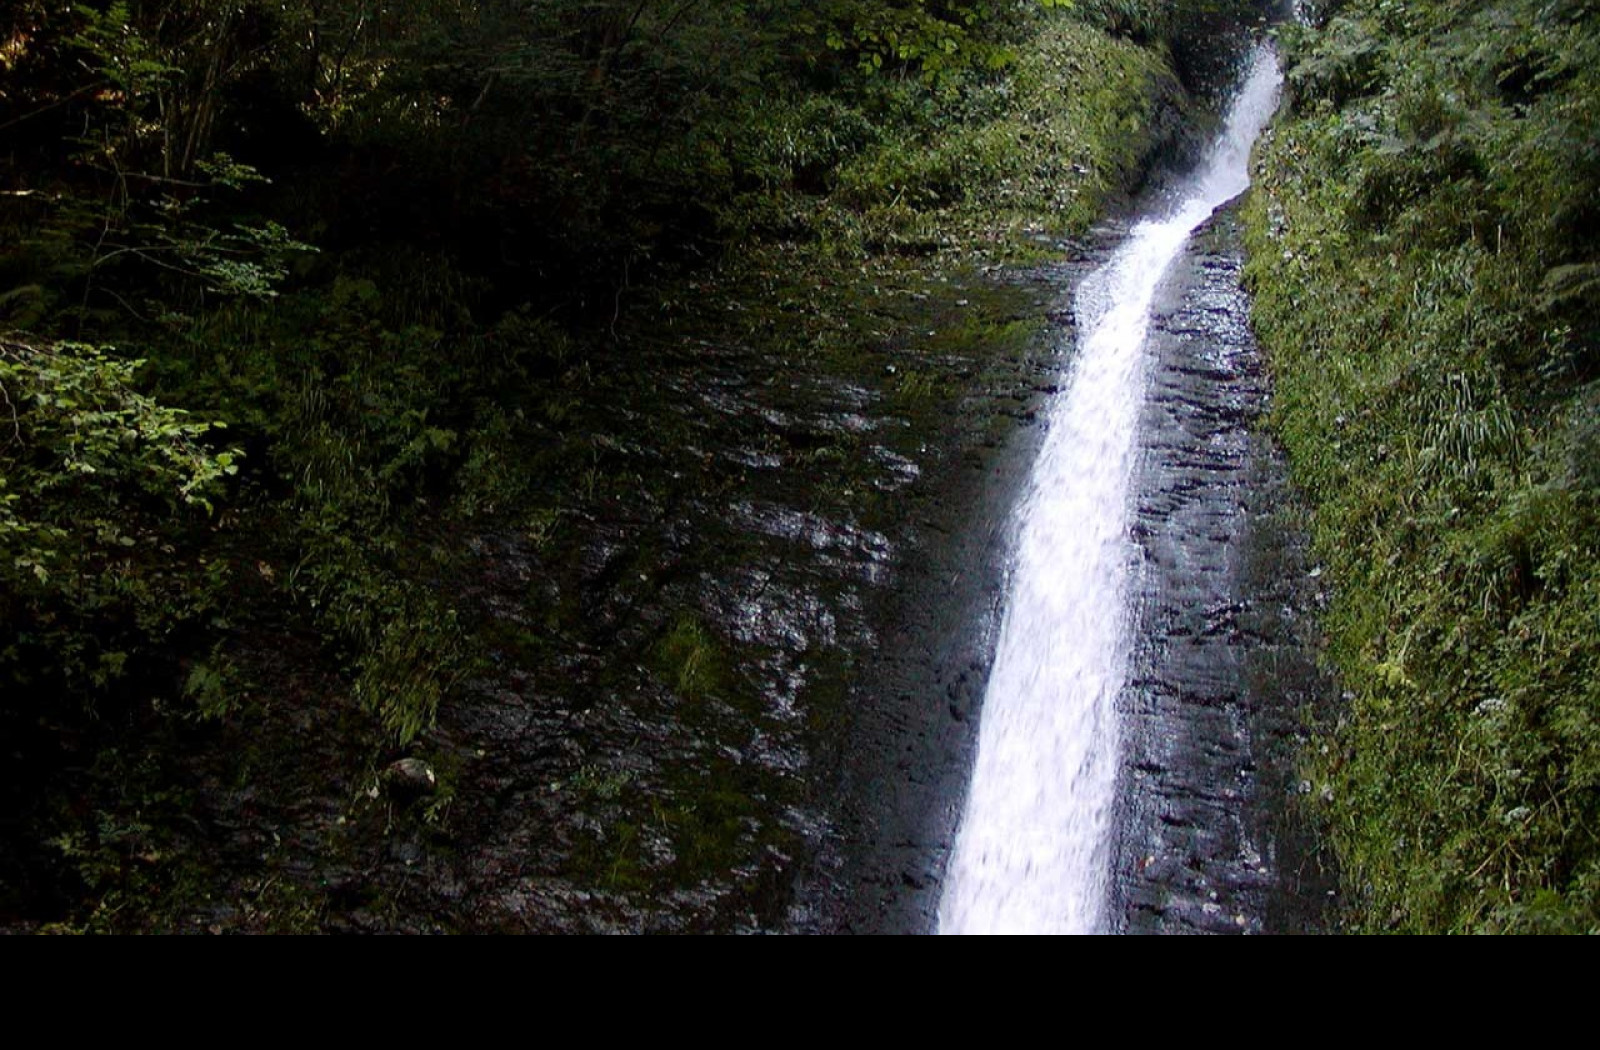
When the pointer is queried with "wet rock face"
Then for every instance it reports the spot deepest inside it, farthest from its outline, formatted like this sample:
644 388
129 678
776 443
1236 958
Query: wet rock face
900 776
642 763
676 724
1223 663
680 721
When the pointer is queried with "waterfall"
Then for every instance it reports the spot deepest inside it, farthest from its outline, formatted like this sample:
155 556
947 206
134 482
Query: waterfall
1032 854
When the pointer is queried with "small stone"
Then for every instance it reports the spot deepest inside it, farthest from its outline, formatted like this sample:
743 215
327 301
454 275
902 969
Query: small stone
411 776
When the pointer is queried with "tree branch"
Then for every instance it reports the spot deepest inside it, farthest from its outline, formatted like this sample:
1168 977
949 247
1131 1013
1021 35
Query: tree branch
16 420
13 351
677 16
62 101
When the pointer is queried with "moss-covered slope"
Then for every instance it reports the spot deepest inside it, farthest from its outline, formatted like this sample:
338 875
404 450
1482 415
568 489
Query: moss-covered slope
1425 273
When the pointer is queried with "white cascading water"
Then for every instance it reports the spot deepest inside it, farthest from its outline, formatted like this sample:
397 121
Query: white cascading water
1033 853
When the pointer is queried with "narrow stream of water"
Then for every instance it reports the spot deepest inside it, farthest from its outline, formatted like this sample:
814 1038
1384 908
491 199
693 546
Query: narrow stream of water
1033 852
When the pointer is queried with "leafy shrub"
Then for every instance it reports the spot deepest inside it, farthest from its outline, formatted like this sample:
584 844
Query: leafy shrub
95 477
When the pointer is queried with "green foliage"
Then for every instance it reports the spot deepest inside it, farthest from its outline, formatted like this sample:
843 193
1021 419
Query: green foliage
937 40
690 660
94 477
1338 63
1421 241
1160 21
374 419
408 648
1138 19
1041 146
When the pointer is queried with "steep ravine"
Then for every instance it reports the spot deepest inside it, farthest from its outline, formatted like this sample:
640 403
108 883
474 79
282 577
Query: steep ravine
732 684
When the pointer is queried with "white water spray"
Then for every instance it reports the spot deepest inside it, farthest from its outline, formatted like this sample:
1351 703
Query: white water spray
1033 854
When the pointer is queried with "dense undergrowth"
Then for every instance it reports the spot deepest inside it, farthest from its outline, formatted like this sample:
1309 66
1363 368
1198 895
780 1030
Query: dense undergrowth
1426 280
292 297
